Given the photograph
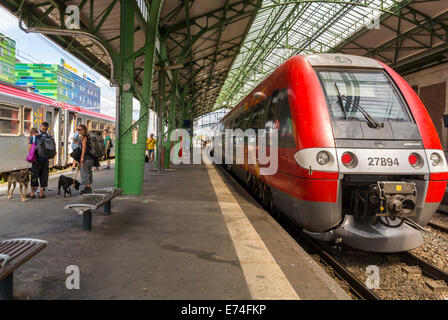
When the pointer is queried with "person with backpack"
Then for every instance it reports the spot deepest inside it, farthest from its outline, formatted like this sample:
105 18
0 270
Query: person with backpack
87 159
45 150
108 145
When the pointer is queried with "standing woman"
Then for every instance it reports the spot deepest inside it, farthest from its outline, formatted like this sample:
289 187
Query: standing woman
87 160
34 176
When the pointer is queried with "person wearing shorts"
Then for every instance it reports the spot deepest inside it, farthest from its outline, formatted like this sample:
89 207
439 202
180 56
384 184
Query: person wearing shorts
150 145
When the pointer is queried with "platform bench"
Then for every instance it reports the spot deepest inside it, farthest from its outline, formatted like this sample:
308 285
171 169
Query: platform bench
93 201
14 253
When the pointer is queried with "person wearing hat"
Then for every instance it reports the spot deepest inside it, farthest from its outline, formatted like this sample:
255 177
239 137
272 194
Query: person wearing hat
108 146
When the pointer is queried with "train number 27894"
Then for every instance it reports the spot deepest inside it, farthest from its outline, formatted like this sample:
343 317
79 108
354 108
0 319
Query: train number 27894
383 162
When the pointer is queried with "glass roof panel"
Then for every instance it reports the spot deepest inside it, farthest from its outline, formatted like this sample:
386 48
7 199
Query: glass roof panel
286 28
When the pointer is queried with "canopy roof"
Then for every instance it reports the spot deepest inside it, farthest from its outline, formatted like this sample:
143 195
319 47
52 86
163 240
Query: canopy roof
226 47
406 35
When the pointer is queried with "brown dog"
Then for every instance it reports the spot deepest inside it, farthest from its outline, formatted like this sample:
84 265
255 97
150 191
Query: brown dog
21 177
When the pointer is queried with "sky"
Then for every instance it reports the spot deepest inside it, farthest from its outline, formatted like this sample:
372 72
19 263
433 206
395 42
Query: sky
35 48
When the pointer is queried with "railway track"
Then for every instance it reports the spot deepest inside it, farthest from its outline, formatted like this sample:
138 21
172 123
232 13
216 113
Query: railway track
356 286
427 268
438 227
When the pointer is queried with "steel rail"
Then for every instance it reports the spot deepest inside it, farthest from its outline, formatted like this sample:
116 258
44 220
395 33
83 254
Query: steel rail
438 227
356 286
427 268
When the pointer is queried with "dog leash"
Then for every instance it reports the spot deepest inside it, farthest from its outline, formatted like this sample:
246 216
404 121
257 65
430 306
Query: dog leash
74 179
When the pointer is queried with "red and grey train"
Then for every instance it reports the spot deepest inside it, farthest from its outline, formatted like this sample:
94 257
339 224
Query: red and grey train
20 110
359 159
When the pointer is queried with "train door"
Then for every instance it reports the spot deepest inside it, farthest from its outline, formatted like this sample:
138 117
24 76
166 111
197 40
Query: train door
58 135
65 134
49 118
71 131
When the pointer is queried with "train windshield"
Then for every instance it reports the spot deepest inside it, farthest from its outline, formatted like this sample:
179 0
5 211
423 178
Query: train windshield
371 90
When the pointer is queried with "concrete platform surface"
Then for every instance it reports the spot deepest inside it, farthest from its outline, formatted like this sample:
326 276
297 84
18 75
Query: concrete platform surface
193 234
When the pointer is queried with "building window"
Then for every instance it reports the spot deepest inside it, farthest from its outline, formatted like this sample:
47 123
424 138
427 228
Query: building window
101 126
9 120
27 120
94 125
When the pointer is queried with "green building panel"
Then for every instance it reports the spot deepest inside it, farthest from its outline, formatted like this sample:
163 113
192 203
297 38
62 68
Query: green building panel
7 59
58 82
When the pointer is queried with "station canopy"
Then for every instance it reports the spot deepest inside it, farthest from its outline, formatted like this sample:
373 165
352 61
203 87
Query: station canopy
222 49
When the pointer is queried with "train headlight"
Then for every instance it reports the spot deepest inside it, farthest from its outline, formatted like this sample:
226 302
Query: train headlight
435 159
323 157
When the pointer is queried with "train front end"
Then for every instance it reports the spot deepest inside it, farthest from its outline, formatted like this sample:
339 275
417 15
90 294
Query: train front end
392 172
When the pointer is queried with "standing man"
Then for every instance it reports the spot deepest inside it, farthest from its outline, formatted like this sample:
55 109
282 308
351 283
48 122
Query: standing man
40 169
108 145
150 144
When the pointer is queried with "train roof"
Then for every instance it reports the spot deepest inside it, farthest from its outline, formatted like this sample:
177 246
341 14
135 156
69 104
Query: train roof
12 90
341 60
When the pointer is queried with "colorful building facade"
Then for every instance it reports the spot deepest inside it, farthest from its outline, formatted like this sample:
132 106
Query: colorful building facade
59 82
7 59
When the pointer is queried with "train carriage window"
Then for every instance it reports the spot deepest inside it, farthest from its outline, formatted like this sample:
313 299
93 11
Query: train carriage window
27 121
9 120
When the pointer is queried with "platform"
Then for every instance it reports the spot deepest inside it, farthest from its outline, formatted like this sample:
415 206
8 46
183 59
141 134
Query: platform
193 234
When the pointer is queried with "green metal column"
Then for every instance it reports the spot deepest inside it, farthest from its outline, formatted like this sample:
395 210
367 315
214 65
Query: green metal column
125 174
150 53
131 157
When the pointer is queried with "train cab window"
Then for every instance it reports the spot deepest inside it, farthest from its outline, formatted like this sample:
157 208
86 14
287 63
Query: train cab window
278 116
372 90
27 121
9 120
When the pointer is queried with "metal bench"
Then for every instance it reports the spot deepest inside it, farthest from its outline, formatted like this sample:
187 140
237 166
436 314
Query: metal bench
14 253
92 201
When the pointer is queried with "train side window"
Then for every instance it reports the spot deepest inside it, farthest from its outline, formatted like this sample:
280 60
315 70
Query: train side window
278 116
27 120
9 120
285 133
